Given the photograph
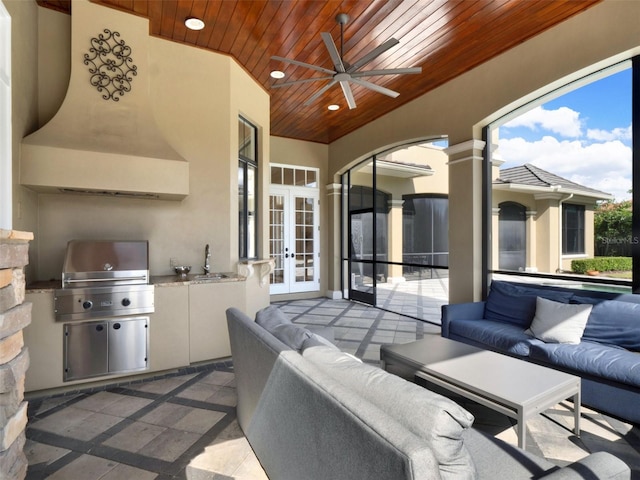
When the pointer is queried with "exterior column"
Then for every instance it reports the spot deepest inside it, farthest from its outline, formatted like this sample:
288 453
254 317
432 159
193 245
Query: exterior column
395 234
531 260
334 191
495 238
15 315
465 221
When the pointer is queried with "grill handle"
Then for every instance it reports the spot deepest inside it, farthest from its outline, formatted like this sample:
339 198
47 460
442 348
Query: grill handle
111 279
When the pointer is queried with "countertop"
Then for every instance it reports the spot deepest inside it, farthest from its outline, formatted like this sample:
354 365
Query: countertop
157 280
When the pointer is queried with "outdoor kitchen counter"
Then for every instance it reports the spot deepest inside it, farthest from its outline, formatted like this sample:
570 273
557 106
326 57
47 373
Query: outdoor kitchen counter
157 280
188 325
171 280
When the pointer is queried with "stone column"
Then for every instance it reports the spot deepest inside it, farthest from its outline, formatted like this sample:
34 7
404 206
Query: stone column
15 315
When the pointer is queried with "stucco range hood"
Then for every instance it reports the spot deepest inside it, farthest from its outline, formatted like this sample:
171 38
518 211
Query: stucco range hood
101 146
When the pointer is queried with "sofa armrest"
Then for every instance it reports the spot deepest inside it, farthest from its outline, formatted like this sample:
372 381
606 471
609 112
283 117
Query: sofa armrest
598 465
459 311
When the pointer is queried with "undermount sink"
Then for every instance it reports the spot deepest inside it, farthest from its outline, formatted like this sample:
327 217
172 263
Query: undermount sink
211 276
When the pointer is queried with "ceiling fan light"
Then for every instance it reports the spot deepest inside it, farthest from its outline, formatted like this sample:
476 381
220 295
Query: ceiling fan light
193 23
277 74
333 107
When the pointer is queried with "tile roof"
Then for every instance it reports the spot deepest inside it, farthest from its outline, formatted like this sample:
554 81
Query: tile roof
531 175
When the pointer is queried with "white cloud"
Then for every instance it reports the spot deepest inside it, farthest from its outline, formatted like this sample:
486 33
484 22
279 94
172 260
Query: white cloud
609 135
605 166
562 121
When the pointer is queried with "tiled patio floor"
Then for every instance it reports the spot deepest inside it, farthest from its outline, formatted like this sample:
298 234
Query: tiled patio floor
155 429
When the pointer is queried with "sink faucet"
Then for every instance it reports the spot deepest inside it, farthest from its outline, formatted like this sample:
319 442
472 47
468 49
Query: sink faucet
207 256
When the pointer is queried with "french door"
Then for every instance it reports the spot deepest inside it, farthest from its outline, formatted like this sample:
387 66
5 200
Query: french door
294 239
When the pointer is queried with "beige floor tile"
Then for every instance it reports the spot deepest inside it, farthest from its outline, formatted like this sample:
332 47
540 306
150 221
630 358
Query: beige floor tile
126 406
126 472
250 469
166 415
61 421
218 378
223 457
85 467
40 453
93 426
224 396
162 386
199 391
169 445
135 436
98 401
198 420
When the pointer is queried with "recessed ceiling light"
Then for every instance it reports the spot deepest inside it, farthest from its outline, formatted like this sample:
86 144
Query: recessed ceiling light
277 74
333 107
194 23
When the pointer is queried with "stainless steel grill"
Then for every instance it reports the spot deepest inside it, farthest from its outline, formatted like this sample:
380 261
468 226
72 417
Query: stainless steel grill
104 279
106 282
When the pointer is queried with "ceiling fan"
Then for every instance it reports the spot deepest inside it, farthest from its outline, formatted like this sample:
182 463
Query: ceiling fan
345 73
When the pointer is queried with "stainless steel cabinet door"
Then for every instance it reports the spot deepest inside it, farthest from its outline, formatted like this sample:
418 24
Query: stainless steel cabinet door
128 344
85 350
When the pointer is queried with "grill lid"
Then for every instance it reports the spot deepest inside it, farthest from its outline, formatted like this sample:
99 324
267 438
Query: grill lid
105 262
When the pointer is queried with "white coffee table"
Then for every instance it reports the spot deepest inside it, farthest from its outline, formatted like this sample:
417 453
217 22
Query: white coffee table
514 387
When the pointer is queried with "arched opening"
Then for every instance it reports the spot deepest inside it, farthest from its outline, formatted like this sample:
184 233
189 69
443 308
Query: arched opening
395 230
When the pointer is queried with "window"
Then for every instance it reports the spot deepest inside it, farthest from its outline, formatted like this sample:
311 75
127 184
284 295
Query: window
572 229
247 189
426 229
568 159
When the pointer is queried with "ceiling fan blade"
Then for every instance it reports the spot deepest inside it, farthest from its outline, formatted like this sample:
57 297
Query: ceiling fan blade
320 92
302 64
392 42
333 52
294 82
387 71
348 94
373 86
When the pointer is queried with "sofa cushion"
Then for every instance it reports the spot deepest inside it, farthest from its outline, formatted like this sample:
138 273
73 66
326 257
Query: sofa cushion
436 419
317 340
271 316
614 323
516 304
556 322
589 358
500 336
293 336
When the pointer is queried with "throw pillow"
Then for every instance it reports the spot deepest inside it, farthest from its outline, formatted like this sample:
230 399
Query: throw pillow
614 323
271 316
516 304
437 420
556 322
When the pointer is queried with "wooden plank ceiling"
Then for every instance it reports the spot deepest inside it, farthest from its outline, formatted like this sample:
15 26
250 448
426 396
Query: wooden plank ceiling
444 37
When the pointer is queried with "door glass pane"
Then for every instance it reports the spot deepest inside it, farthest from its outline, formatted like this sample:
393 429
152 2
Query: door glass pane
277 232
304 241
288 176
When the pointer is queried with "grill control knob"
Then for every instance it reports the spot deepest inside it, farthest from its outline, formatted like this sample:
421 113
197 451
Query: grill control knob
87 304
126 302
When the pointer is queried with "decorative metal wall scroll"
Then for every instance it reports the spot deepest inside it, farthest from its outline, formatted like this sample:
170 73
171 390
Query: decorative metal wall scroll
110 65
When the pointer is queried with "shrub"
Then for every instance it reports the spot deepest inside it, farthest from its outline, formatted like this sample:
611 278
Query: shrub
601 264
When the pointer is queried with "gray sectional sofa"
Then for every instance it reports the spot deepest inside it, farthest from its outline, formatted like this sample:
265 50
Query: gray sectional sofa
311 412
606 355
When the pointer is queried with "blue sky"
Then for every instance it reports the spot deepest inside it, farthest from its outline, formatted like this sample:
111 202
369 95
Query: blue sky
584 136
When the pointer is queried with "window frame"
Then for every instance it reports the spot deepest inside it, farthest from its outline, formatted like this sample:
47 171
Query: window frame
247 230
